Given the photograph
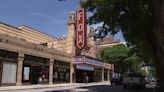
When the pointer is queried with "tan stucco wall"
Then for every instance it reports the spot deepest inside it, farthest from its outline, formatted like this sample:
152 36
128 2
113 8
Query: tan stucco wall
33 36
26 33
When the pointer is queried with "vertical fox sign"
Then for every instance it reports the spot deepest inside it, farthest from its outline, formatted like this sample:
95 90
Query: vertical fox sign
81 28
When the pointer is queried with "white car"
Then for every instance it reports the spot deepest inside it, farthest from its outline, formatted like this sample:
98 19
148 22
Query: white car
133 80
151 80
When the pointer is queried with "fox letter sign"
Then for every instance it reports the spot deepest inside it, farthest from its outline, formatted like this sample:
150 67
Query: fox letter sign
81 28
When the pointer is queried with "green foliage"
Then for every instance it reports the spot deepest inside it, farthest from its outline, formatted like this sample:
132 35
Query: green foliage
116 53
134 63
152 72
133 17
122 58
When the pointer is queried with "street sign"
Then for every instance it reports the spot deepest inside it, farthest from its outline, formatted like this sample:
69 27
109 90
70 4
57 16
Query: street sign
81 28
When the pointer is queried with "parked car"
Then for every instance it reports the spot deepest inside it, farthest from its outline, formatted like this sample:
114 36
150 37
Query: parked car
157 87
116 80
133 80
151 80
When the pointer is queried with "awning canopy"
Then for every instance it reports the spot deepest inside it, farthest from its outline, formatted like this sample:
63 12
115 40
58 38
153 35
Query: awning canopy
88 61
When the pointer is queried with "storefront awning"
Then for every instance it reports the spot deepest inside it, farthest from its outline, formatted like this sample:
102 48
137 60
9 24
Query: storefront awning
87 61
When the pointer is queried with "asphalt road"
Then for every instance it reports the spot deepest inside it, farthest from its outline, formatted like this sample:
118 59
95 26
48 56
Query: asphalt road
98 88
105 88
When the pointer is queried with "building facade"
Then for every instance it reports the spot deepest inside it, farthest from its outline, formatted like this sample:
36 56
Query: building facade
28 56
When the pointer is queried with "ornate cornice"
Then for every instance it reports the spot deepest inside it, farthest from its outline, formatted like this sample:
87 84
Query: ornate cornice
7 42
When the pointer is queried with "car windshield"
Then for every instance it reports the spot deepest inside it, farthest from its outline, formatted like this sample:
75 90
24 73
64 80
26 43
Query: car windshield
132 75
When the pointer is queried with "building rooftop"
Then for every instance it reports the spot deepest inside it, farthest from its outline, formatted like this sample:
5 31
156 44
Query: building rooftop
107 40
32 29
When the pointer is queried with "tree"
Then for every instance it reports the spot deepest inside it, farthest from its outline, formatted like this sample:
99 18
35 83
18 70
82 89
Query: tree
135 64
116 55
122 58
142 24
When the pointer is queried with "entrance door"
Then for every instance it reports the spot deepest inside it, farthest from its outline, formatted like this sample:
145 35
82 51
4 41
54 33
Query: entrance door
81 75
35 74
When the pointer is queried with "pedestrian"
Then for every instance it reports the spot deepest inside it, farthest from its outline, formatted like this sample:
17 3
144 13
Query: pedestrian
87 79
40 79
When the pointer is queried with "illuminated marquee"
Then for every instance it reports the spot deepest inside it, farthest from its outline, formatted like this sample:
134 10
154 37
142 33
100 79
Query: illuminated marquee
81 29
85 60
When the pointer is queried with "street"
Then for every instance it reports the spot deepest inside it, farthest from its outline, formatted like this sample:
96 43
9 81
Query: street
108 88
86 88
104 88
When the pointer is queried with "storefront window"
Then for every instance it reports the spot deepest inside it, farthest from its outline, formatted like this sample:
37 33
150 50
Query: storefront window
9 72
67 76
61 75
61 72
44 74
55 76
26 73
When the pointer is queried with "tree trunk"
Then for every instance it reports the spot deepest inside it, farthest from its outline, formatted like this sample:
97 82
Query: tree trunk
159 41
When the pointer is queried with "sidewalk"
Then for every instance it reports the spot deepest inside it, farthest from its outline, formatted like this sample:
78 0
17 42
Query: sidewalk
9 88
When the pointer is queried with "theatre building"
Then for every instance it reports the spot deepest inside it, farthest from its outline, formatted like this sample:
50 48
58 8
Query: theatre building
28 56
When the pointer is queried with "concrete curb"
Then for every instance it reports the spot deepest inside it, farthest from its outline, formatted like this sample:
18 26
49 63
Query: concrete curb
9 88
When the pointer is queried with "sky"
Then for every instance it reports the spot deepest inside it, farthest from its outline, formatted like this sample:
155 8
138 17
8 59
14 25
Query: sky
48 16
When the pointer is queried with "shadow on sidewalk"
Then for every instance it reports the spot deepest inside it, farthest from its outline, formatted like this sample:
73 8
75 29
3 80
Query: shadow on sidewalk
104 88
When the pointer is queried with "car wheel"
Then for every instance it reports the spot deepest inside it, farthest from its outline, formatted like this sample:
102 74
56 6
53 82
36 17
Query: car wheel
143 86
125 86
111 83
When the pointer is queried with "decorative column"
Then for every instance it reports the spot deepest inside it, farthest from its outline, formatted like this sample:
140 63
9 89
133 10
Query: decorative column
70 42
72 73
95 75
108 75
112 69
102 75
51 65
20 69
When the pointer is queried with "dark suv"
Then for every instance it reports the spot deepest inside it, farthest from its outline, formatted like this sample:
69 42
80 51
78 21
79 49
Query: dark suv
116 81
